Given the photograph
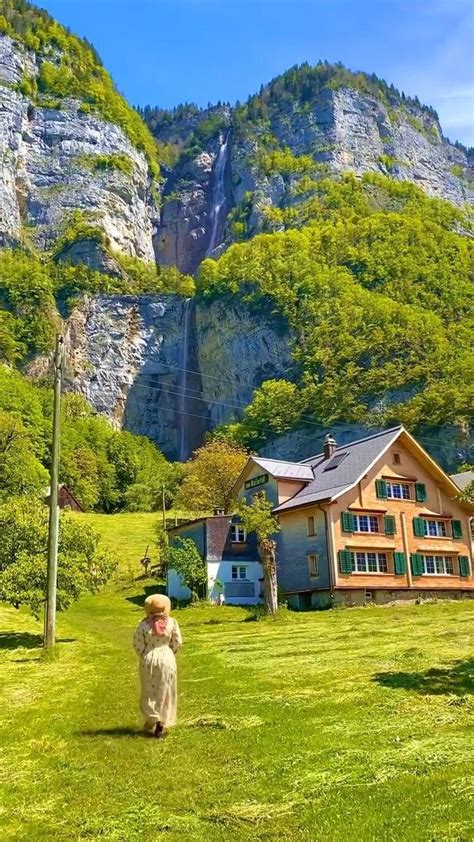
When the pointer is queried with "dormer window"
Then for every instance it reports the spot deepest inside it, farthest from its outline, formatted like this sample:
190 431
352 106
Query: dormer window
238 534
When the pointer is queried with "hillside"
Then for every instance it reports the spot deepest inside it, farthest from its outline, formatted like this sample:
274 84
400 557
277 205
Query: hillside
335 215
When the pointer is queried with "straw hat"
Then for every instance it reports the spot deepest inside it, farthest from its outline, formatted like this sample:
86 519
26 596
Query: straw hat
157 603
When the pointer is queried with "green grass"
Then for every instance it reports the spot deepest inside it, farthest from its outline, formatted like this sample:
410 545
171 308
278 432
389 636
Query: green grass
126 535
341 725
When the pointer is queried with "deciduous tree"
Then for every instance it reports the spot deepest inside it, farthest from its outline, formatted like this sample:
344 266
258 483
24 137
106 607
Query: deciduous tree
257 517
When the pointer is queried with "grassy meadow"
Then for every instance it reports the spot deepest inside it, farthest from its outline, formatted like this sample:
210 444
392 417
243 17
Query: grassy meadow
340 725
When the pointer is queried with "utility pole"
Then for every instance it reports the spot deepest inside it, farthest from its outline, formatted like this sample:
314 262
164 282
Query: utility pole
163 502
52 574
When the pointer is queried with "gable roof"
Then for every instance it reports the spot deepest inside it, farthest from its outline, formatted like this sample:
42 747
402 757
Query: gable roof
355 460
284 470
463 480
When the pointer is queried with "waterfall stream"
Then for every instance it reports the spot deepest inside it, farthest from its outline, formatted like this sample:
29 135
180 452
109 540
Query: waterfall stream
218 194
182 420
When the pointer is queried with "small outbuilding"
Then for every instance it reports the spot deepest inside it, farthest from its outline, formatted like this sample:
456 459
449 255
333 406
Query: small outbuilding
233 567
66 499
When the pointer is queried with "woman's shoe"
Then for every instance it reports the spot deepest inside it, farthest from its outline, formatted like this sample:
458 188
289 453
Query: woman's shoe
158 732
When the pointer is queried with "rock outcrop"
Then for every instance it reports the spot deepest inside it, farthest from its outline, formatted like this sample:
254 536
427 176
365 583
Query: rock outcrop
343 130
47 167
164 367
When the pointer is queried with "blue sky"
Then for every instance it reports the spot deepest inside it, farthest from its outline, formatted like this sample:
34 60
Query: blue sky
163 52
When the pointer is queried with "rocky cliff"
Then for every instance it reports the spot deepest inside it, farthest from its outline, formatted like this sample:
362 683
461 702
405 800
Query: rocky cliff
341 130
166 368
59 159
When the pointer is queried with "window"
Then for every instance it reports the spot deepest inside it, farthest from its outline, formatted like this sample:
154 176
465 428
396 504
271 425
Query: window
366 523
335 461
397 459
435 528
370 563
310 528
398 490
313 564
438 565
238 534
239 572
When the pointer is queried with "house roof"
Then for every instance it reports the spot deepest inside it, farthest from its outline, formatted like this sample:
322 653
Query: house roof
285 470
463 480
347 465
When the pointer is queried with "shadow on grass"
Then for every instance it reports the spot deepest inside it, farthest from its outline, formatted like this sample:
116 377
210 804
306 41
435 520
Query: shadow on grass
139 599
456 680
114 732
25 640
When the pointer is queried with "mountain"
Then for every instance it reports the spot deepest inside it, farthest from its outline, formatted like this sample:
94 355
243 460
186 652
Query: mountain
335 216
309 122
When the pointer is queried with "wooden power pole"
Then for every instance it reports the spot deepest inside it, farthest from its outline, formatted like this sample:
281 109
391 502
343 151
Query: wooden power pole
53 534
163 505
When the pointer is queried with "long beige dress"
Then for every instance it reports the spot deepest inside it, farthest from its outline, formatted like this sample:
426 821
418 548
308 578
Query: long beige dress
158 701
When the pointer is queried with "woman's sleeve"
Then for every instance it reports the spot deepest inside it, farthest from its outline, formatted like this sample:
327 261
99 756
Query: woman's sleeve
139 641
176 639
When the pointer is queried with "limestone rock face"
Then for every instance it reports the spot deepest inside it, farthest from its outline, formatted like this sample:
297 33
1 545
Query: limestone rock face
89 252
47 168
184 232
163 367
343 129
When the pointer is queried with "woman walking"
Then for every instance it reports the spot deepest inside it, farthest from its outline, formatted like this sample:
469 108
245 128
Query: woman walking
157 639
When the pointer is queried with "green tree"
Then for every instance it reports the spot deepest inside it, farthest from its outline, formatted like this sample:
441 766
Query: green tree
20 470
257 517
210 477
184 557
82 566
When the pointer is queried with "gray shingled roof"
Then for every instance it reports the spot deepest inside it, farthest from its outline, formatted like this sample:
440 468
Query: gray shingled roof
284 470
328 484
463 480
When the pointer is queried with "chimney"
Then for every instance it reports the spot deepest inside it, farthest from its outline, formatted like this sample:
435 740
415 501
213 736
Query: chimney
218 512
329 446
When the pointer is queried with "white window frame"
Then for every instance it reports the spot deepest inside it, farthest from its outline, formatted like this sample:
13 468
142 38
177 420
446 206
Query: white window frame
370 524
380 559
237 530
313 565
438 561
236 573
438 526
311 530
405 489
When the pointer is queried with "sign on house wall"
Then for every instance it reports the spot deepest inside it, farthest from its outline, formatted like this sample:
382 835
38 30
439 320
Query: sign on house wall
256 481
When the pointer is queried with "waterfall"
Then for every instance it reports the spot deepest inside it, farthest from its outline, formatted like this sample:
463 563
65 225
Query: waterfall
218 193
184 381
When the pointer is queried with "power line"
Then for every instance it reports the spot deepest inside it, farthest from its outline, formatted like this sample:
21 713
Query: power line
255 426
253 387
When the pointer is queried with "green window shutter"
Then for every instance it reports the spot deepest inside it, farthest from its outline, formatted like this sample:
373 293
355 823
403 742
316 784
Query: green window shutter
348 522
345 561
464 565
420 492
419 527
457 529
381 489
399 564
416 564
390 526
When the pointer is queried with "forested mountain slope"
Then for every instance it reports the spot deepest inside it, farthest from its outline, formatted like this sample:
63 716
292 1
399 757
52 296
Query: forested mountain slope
325 221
